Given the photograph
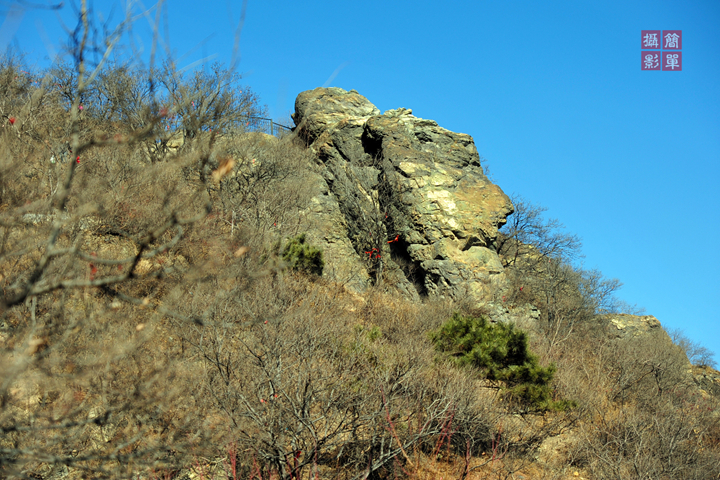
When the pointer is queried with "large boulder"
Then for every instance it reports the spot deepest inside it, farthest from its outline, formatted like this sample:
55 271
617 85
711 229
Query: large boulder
416 205
624 326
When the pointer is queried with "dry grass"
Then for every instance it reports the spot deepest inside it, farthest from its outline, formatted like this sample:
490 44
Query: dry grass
148 331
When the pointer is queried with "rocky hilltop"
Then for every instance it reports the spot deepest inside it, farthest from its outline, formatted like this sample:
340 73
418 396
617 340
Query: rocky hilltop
403 199
404 202
172 286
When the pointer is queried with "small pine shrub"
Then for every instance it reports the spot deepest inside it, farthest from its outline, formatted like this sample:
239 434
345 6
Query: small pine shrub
302 256
500 352
372 334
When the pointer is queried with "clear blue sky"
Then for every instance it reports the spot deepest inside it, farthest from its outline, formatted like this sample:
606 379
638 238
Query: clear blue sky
551 91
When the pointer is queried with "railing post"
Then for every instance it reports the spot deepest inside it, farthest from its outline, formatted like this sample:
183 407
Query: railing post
272 124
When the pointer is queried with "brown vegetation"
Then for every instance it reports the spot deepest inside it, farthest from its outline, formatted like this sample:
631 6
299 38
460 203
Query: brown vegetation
149 328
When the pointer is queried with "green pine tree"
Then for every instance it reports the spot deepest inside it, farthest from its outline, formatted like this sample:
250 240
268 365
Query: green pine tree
302 256
500 353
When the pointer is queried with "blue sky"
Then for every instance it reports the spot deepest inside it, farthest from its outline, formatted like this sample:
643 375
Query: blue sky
552 93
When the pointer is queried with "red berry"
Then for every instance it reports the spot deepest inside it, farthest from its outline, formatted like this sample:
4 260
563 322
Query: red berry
11 120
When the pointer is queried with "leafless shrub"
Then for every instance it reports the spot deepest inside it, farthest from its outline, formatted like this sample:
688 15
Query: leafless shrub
304 388
528 238
696 353
265 193
668 441
645 419
539 260
91 378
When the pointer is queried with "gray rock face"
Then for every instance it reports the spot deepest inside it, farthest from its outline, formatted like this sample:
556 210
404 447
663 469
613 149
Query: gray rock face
417 208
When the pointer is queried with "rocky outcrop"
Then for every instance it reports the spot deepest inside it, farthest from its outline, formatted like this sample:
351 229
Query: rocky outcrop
629 327
625 326
414 202
707 379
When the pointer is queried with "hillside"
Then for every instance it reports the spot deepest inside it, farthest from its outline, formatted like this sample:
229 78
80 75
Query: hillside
343 302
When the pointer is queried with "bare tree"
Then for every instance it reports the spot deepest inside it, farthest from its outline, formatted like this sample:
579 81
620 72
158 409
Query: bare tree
695 351
527 237
656 424
209 101
84 277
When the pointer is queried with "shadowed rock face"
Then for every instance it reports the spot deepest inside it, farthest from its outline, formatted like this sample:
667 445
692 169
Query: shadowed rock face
406 187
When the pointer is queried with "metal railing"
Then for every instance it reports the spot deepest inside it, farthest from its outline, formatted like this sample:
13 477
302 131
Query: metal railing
266 125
